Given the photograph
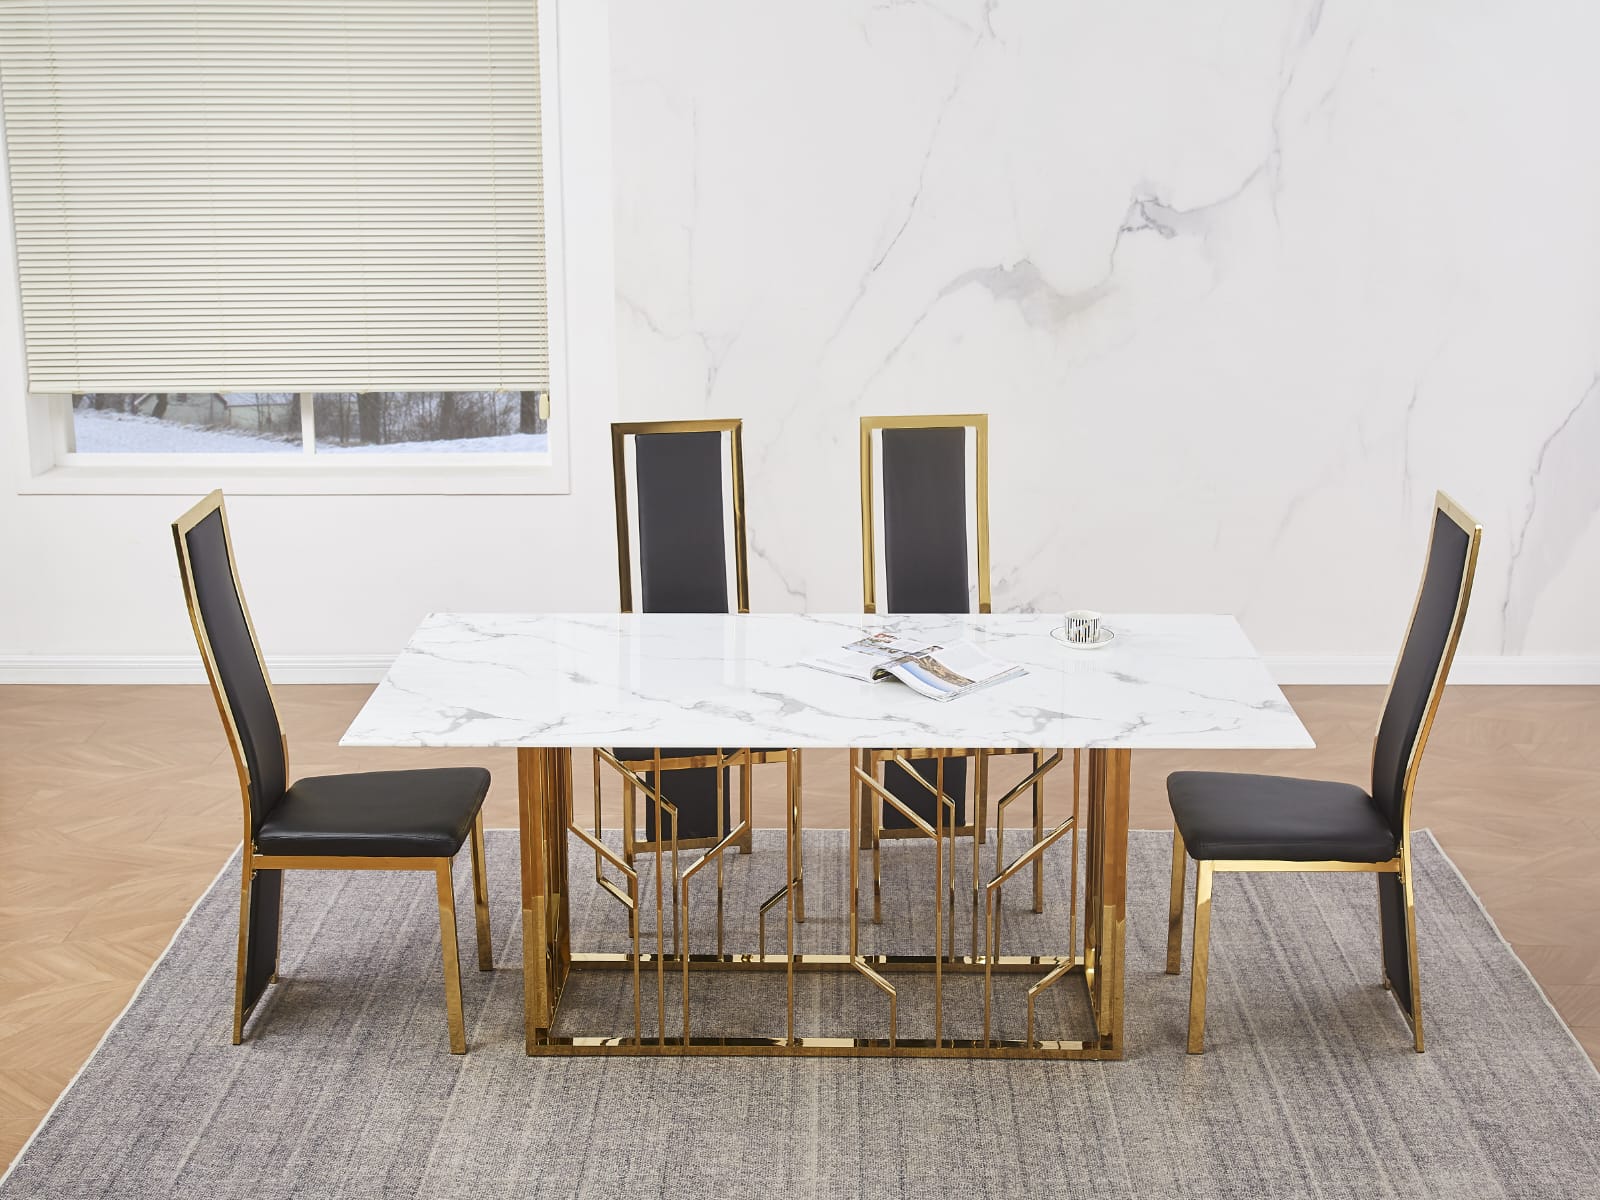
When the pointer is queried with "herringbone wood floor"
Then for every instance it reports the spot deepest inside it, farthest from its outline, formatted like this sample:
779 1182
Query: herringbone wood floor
118 804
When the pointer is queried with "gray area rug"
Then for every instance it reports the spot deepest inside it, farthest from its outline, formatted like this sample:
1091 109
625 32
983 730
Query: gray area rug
1309 1087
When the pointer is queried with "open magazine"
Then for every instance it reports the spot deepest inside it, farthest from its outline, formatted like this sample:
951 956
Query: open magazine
940 672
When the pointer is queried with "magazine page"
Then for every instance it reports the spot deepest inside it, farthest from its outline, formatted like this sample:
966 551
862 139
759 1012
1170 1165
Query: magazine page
861 658
850 663
945 672
884 645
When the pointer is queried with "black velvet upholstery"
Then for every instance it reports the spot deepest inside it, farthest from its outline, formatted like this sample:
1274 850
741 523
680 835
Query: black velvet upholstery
925 521
918 798
1419 662
925 570
1227 815
1396 944
683 560
265 917
243 683
377 814
692 789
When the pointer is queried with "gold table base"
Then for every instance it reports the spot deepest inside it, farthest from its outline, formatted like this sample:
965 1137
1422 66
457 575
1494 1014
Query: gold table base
545 815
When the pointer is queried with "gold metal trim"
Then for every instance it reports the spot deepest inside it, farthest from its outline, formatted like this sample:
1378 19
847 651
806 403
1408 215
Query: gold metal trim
979 422
620 432
1321 865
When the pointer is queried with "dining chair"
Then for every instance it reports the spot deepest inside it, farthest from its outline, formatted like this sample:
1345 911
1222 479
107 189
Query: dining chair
681 549
925 549
375 821
1229 822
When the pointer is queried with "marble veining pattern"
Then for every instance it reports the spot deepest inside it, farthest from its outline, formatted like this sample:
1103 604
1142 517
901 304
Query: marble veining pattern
1240 285
583 680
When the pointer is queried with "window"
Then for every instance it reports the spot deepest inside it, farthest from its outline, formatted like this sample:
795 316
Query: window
488 422
253 229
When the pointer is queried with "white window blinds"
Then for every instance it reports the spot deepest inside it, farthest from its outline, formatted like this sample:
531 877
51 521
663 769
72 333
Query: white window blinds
289 195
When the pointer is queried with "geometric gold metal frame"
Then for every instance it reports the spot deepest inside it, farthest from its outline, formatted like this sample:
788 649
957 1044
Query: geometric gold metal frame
546 812
256 867
1399 866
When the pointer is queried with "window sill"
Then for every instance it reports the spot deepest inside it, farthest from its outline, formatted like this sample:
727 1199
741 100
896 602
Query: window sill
300 475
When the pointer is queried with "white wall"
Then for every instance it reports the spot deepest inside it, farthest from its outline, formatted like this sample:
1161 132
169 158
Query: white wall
1238 284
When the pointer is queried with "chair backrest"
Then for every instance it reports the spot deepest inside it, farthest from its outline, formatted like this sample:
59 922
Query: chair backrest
925 513
232 656
1419 675
680 516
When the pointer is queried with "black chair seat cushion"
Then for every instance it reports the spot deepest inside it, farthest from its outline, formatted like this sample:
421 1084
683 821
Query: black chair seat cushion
377 814
1223 815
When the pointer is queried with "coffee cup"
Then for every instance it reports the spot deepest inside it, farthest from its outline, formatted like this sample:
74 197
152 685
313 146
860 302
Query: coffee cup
1083 626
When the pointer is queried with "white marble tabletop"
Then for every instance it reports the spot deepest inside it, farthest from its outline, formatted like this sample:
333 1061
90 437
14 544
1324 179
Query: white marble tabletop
585 679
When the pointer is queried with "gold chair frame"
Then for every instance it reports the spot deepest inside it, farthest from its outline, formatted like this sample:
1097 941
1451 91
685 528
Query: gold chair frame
1400 865
251 861
873 761
745 759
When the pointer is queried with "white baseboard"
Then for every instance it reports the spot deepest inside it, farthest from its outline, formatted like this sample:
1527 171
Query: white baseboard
369 668
184 668
1502 669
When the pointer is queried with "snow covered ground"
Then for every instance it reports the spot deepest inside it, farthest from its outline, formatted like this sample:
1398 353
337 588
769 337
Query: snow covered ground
510 443
124 433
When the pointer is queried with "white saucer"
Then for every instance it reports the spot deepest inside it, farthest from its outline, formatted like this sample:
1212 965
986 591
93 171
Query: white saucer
1105 639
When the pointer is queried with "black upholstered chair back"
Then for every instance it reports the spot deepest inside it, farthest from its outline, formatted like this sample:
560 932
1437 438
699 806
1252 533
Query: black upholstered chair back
1425 658
227 642
923 508
680 516
925 544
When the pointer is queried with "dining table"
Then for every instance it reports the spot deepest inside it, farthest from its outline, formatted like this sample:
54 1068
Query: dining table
550 684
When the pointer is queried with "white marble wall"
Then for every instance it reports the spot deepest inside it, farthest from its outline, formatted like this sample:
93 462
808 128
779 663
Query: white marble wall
1239 285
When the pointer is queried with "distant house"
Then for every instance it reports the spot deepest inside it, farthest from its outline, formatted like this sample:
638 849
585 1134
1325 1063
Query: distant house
253 412
262 412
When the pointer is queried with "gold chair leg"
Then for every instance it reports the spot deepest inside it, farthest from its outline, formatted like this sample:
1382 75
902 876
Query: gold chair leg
799 838
452 959
1383 939
1202 952
277 949
246 878
480 895
1411 946
1180 866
